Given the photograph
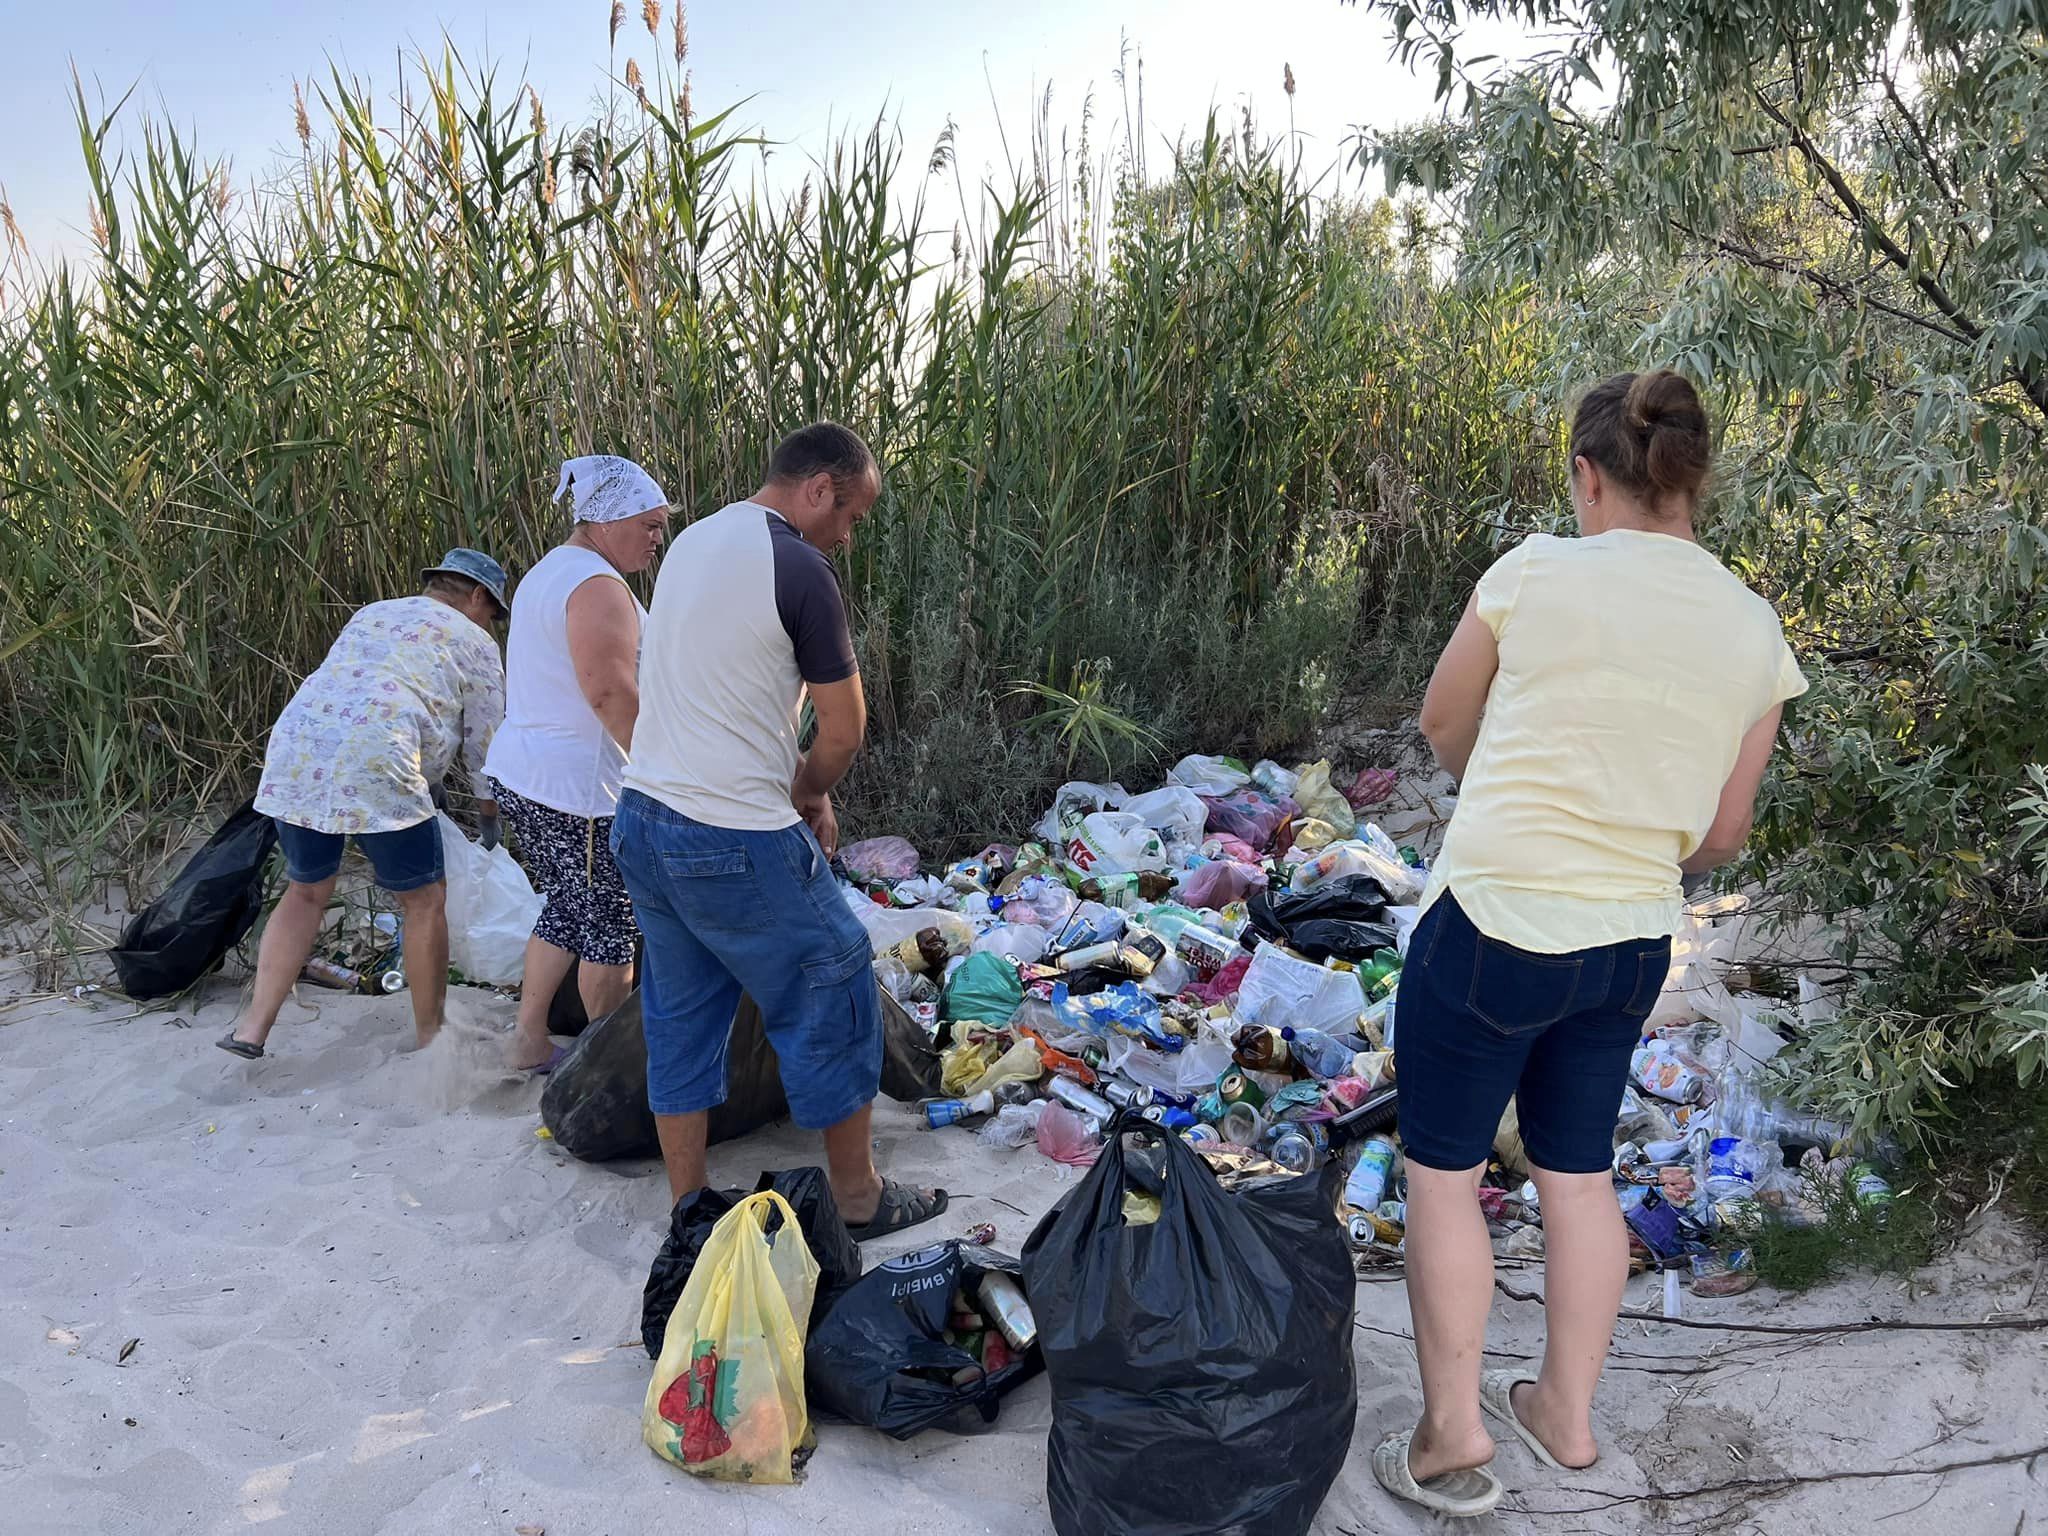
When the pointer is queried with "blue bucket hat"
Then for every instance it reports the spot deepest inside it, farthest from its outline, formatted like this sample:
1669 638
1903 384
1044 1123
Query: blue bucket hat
477 566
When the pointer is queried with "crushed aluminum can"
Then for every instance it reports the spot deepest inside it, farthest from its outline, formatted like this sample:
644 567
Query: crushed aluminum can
981 1234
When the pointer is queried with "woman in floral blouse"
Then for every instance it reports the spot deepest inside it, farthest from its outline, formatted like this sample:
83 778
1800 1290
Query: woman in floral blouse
357 753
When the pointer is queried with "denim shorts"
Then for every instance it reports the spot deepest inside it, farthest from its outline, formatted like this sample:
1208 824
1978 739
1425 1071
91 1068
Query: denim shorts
1480 1022
403 861
725 912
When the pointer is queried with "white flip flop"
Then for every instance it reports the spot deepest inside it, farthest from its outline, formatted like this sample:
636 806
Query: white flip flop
1466 1492
1497 1393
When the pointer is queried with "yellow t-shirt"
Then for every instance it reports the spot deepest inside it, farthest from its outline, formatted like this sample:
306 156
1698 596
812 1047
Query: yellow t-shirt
1631 665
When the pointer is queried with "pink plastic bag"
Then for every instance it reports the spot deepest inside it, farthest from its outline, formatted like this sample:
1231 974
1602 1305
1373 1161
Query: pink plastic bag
1063 1136
1372 787
1223 846
1250 815
881 858
1224 987
1218 883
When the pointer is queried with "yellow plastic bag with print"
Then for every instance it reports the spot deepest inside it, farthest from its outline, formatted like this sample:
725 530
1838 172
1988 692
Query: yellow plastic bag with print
1318 797
727 1398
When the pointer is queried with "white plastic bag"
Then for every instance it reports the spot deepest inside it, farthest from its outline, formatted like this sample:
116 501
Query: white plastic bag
888 926
1281 988
1193 1069
1023 942
1216 776
1174 811
1115 843
1370 853
1273 779
491 909
1071 802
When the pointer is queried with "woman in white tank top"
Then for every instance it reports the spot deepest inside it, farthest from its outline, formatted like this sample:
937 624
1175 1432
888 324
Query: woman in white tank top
572 695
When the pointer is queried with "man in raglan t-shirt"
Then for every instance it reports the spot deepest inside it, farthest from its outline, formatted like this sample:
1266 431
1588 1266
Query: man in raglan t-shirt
725 830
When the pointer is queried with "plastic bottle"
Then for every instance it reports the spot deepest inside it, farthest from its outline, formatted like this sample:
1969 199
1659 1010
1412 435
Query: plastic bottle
1259 1049
1324 1056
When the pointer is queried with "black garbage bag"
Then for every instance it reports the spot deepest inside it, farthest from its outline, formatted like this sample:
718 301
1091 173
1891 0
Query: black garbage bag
1343 917
595 1102
689 1228
867 1361
1201 1367
205 912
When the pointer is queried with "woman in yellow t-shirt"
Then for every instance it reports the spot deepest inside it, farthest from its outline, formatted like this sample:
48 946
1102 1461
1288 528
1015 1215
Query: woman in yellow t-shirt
1608 704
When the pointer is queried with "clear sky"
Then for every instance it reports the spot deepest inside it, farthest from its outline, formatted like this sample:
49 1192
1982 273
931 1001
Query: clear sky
223 69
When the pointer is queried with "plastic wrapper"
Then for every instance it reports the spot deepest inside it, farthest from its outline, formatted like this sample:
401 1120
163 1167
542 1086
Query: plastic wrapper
1248 815
1174 811
1274 780
1225 984
1190 1070
1220 882
1202 1368
1064 1137
1210 775
880 858
1013 1125
1373 786
1667 1071
987 1061
1361 856
1039 899
1115 843
985 988
889 926
1071 802
1025 943
1280 988
1319 798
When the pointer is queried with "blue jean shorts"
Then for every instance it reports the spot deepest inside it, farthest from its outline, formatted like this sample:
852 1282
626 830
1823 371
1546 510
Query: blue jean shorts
1480 1022
725 912
406 860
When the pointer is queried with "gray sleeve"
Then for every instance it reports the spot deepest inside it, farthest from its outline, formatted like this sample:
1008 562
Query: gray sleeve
807 601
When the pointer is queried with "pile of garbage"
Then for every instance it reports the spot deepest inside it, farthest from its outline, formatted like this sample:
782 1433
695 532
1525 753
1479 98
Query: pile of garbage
1222 955
1219 955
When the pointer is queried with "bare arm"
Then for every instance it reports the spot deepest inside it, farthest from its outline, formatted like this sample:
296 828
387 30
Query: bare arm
604 646
1737 812
1458 689
842 712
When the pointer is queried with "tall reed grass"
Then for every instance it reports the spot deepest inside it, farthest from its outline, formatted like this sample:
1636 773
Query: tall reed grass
1213 443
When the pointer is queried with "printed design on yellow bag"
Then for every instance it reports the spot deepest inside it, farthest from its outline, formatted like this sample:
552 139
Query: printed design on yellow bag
702 1404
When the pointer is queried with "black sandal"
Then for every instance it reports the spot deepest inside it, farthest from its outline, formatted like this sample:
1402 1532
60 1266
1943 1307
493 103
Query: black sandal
242 1048
901 1209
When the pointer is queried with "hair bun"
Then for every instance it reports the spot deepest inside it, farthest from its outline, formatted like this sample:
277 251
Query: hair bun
1648 430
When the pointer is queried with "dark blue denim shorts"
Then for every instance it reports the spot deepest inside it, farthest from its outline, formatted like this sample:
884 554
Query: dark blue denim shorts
406 860
1479 1022
726 911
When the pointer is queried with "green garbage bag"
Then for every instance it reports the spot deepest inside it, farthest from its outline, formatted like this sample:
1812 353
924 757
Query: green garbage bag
986 988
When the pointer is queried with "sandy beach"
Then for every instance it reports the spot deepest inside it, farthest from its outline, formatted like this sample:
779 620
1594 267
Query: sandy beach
365 1297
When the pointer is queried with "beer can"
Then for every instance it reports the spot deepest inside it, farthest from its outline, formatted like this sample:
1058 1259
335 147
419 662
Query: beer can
1126 1095
1156 1113
1093 954
1361 1232
1002 1301
1081 1100
390 982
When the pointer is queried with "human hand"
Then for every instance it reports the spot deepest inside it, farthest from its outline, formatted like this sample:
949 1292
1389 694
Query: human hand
490 827
823 821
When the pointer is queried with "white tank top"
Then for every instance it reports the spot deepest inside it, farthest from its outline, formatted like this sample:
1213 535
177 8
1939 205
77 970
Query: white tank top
552 748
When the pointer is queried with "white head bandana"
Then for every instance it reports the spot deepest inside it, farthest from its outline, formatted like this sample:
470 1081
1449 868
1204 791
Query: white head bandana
608 488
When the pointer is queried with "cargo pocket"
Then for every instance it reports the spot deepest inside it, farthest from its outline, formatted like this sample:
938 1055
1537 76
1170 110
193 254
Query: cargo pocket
1515 992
